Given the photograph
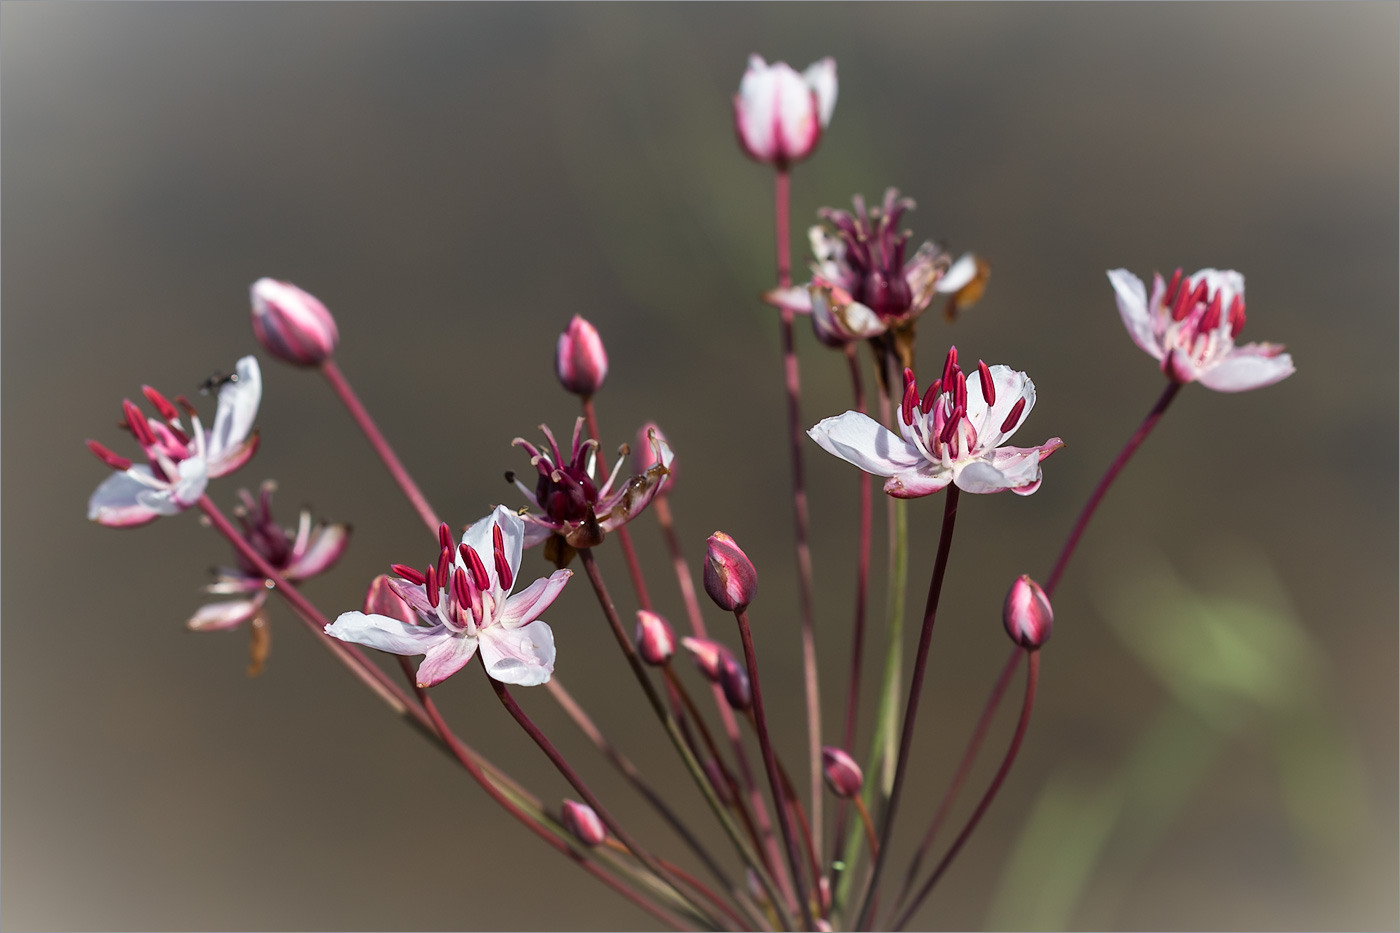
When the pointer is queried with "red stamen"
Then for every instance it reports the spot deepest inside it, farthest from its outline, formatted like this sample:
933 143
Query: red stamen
931 396
1014 415
1201 293
430 583
162 404
461 590
444 565
906 407
187 405
950 366
908 377
1236 316
479 575
1211 320
108 456
444 536
1183 304
503 573
951 427
960 392
408 573
989 388
1173 286
136 422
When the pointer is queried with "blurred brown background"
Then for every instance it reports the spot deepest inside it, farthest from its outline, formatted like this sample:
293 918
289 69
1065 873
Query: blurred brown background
455 181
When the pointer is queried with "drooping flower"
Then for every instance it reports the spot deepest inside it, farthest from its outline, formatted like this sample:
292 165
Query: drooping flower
181 459
571 504
1189 326
862 286
952 434
780 114
464 601
292 324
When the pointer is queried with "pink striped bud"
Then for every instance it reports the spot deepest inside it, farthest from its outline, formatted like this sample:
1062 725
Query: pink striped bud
292 324
1027 614
706 654
734 681
580 820
730 577
580 361
843 775
381 600
655 640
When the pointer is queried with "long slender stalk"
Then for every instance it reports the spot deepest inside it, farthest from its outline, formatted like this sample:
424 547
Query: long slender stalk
916 684
1114 469
796 435
577 783
775 783
347 395
697 773
1032 676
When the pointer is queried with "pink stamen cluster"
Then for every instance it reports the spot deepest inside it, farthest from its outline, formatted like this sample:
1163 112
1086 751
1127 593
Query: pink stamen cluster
1196 315
164 442
875 253
938 420
565 490
461 593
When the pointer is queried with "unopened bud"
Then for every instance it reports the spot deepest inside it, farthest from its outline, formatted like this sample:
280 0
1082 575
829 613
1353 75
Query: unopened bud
655 640
644 455
843 775
580 820
734 681
381 600
706 654
1027 614
292 324
730 577
580 361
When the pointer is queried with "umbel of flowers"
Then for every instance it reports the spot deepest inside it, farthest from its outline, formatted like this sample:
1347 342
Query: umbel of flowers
467 597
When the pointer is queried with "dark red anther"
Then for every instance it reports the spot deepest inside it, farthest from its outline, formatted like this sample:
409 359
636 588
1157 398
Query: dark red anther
931 396
951 428
960 392
187 405
479 575
950 366
430 583
408 573
908 377
108 456
137 423
461 589
906 406
1201 293
444 564
498 546
444 536
1211 319
1236 316
989 388
1173 286
162 404
1013 416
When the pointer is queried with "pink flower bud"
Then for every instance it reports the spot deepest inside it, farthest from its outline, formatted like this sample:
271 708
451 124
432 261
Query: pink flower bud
580 820
706 654
580 361
292 324
655 640
381 600
1027 614
734 680
730 577
780 114
644 455
843 775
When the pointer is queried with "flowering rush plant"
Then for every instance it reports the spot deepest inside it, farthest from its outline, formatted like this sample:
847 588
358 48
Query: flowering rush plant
792 858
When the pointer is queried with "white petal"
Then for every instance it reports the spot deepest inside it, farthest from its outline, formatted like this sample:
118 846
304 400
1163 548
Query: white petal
446 658
1131 295
979 476
1251 366
959 274
530 603
799 125
480 538
1011 386
386 634
215 617
194 477
821 77
863 441
523 655
754 109
238 408
115 502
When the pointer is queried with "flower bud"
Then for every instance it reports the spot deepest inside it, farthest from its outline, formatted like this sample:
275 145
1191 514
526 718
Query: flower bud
580 820
292 324
730 577
1027 614
655 640
706 654
644 455
580 361
734 681
843 775
381 600
780 114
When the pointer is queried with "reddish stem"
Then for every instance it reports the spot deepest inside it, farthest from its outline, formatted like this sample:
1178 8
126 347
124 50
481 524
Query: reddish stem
1114 469
916 685
1032 676
376 440
624 537
775 783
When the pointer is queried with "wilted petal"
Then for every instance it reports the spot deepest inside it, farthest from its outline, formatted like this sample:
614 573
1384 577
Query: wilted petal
446 658
863 441
323 549
1251 366
622 506
238 407
925 271
531 602
821 77
386 634
116 501
1132 306
837 323
215 617
523 655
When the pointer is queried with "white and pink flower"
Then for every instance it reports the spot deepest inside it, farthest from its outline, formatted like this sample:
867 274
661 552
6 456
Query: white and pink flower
180 459
463 602
952 434
1189 326
779 114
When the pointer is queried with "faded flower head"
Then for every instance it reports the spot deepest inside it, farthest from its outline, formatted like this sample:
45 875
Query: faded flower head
780 114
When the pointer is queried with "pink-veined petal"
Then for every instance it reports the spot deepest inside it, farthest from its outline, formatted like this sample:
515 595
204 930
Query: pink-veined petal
915 483
821 78
1251 366
238 407
323 549
523 655
116 503
416 597
527 605
385 634
446 658
1131 295
216 617
636 494
1010 386
234 457
863 441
